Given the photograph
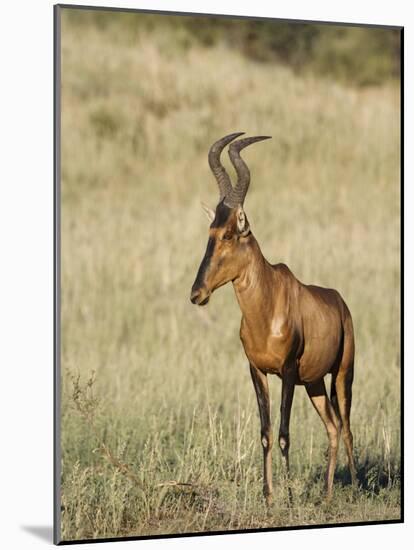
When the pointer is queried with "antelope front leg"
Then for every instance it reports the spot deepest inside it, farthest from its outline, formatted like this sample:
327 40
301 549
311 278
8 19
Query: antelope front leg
262 393
288 387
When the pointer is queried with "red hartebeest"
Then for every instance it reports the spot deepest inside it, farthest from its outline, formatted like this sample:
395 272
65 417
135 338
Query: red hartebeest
298 332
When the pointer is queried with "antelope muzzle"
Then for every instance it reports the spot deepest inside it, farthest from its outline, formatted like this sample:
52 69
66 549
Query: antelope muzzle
199 296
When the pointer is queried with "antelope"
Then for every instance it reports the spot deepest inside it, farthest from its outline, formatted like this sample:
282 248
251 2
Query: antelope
298 332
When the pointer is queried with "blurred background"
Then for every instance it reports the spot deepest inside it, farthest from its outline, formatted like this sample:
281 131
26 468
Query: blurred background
160 430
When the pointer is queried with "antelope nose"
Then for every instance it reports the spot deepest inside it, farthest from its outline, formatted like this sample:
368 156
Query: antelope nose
195 294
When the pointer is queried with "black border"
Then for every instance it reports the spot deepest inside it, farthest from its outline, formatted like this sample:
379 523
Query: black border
56 276
225 16
402 290
230 532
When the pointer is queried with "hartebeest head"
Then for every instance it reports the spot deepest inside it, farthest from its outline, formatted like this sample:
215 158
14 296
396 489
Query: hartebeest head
227 250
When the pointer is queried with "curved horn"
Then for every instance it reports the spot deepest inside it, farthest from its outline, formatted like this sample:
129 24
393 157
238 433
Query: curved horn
217 168
238 193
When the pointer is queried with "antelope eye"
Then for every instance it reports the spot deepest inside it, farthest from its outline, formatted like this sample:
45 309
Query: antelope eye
227 236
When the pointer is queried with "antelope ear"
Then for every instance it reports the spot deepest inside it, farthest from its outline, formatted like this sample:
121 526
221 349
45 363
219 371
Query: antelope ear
242 223
208 211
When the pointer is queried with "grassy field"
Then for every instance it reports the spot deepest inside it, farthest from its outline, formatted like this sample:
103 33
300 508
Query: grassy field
160 429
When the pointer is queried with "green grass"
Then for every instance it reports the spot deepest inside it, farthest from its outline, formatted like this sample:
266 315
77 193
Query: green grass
166 437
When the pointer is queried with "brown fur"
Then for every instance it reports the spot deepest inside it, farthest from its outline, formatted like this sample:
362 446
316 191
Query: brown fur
298 332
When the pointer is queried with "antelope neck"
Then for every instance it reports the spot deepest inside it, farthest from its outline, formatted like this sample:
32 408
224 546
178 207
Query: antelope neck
255 285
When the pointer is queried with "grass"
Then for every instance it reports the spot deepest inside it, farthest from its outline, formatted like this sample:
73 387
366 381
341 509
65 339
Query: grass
160 430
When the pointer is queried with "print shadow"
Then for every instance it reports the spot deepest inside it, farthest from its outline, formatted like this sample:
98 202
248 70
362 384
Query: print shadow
43 532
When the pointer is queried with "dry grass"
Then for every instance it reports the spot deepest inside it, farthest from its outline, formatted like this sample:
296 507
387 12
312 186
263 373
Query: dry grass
165 437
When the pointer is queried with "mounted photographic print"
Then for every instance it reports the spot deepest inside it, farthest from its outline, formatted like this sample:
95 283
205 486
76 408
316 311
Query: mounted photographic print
227 274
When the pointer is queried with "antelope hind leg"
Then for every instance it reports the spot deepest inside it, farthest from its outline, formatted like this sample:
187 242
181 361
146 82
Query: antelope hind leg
319 398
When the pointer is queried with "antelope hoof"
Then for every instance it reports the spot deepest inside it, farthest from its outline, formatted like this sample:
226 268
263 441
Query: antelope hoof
354 479
290 497
268 497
